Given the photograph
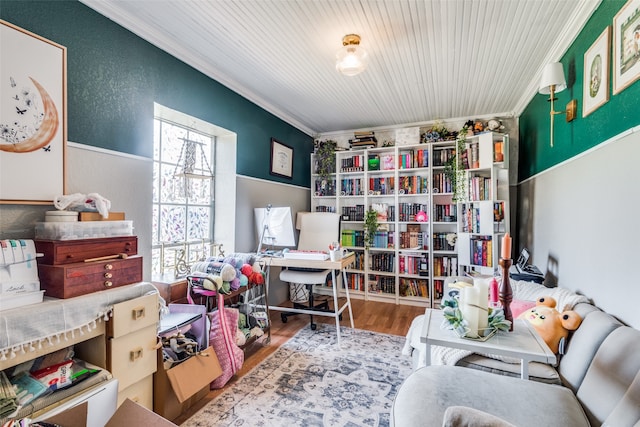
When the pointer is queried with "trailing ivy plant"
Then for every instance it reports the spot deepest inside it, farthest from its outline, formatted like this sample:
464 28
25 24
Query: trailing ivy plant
370 227
326 158
453 168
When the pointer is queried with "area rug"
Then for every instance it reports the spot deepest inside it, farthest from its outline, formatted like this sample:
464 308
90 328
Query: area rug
310 381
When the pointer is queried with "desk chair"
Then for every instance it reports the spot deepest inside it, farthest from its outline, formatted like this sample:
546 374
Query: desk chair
317 231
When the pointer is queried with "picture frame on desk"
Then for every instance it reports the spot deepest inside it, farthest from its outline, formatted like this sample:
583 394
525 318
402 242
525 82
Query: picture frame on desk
33 110
281 159
626 46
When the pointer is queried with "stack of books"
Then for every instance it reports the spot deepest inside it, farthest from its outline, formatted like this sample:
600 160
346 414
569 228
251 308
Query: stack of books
363 139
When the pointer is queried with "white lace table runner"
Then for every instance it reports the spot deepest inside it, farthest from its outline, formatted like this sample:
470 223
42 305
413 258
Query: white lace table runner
25 328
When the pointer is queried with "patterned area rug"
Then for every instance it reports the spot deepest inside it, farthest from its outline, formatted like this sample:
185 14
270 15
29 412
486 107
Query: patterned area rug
310 381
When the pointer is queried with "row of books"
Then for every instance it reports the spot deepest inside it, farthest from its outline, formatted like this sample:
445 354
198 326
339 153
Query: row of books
417 158
382 262
413 264
445 213
322 187
414 288
470 219
445 266
353 213
442 183
414 240
440 242
352 164
408 211
438 289
382 284
351 187
479 188
383 239
442 156
481 251
382 185
415 184
470 157
321 208
355 281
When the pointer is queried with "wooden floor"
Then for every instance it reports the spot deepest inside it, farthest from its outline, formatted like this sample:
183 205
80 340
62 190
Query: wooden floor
373 316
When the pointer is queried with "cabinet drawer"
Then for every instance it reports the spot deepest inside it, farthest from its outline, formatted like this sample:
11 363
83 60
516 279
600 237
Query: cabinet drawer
133 315
133 356
58 252
140 392
72 280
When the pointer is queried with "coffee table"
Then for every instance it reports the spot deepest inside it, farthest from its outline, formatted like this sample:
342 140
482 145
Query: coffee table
523 343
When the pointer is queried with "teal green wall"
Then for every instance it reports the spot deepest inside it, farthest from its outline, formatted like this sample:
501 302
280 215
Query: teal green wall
114 77
614 117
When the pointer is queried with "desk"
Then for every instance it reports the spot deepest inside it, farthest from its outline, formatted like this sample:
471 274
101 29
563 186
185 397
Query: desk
523 343
340 265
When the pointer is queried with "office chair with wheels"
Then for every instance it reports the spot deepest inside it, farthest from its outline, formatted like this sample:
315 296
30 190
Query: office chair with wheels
317 231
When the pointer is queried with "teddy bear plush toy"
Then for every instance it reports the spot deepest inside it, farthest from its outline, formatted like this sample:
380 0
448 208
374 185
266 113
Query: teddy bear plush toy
552 326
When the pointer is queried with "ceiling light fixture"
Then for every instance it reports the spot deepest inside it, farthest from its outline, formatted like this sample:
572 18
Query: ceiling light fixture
351 59
552 82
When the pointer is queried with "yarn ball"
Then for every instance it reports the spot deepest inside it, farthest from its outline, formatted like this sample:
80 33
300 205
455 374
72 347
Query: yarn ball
246 269
244 280
235 284
256 278
212 282
256 267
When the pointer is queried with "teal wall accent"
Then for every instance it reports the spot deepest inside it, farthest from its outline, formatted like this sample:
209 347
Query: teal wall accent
114 77
614 117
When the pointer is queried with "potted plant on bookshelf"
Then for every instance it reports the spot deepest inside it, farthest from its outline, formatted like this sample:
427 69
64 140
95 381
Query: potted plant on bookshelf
325 158
454 170
370 227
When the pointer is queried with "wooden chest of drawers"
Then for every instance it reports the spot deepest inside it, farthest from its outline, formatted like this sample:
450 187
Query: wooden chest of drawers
72 280
58 252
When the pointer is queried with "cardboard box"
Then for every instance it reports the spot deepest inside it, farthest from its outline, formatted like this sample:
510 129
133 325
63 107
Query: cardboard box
97 216
180 387
129 413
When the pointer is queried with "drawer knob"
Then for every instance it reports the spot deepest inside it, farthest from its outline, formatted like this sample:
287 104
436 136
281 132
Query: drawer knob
136 354
108 275
108 283
108 266
138 313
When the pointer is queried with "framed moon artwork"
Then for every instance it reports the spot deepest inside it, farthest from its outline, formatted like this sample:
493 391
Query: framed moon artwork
33 127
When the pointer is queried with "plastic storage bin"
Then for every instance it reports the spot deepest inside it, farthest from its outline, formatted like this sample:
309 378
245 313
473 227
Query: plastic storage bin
82 229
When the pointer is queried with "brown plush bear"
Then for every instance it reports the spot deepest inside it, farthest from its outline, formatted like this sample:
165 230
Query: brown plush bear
552 326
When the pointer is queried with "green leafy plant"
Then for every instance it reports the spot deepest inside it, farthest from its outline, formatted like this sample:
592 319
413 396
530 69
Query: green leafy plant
370 227
453 169
453 315
326 158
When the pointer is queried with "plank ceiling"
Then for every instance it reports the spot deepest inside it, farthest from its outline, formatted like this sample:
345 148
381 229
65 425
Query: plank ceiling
429 59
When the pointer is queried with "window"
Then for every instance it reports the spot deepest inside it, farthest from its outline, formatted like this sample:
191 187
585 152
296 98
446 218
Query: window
191 226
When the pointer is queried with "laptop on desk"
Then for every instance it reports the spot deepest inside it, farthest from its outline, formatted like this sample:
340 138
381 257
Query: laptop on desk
522 270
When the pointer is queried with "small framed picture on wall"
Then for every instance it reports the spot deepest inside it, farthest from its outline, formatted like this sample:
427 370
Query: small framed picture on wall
281 159
595 90
626 46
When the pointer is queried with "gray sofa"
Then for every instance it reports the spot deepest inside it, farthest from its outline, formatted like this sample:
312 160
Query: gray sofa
599 378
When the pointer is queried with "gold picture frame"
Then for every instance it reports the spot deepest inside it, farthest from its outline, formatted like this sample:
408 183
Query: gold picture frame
626 46
33 127
595 84
281 159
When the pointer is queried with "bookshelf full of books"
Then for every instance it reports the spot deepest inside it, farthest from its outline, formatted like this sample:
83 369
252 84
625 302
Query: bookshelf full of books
420 229
484 201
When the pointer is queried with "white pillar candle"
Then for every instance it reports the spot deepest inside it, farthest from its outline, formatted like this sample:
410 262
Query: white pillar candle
469 302
483 302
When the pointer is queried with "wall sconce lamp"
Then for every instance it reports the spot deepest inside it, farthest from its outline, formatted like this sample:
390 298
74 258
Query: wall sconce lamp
551 83
351 59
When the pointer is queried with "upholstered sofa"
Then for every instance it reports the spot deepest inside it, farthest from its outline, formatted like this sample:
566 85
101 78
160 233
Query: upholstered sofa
599 377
